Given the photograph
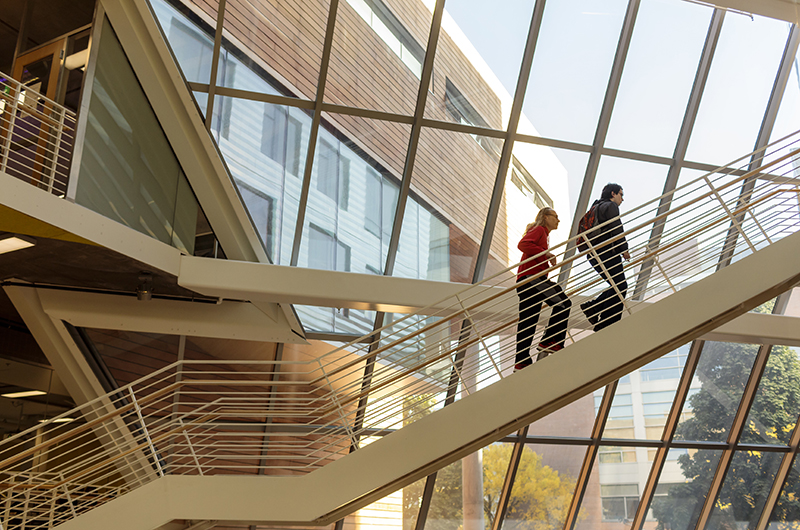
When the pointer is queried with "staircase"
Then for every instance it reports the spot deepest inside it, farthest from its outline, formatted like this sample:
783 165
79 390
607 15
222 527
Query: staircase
288 442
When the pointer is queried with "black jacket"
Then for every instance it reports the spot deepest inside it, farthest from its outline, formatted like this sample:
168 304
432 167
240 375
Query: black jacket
608 210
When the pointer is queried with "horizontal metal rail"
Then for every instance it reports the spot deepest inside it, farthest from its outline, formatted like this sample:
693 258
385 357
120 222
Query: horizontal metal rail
37 136
256 417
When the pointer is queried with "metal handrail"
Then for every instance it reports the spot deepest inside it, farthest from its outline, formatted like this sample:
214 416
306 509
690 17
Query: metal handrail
210 417
36 137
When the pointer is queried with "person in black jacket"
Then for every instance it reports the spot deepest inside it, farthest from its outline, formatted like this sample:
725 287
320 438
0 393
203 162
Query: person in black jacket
610 247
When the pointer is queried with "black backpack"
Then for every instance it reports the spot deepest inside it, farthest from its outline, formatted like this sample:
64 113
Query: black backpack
587 222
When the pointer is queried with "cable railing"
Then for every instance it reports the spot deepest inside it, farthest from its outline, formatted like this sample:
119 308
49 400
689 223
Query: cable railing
36 137
290 417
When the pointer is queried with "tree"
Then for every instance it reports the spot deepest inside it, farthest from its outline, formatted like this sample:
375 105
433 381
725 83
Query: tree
724 369
540 496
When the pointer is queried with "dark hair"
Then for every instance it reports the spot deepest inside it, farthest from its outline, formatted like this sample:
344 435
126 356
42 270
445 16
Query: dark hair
610 189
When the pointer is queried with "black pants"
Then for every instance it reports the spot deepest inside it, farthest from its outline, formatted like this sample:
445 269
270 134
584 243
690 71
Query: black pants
608 306
531 296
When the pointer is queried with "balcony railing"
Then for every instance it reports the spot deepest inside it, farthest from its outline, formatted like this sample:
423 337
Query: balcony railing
292 417
36 137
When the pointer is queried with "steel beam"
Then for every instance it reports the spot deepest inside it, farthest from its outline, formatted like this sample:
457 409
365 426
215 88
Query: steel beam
602 131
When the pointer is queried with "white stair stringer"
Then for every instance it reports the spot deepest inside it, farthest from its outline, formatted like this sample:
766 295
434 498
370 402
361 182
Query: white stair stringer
402 457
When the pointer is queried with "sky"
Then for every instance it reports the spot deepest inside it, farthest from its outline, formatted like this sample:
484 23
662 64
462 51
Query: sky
573 60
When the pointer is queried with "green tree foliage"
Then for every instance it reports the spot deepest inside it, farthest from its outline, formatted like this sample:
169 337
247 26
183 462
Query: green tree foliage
724 369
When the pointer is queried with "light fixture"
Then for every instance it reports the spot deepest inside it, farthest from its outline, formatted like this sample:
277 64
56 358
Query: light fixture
12 242
144 291
59 420
23 394
77 60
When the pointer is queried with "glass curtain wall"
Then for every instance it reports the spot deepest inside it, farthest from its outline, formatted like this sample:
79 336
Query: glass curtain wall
678 88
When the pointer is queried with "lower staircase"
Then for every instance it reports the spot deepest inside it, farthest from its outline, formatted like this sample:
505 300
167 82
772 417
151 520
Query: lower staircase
299 443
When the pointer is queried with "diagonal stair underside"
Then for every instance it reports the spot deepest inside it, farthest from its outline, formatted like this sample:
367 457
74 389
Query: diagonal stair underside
402 457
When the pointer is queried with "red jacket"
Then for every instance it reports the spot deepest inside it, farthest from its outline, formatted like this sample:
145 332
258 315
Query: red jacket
532 243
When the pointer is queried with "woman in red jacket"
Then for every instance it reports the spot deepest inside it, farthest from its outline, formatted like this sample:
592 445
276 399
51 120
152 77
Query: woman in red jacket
533 289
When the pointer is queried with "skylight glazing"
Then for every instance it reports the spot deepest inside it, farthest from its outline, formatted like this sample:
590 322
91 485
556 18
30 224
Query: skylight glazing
694 81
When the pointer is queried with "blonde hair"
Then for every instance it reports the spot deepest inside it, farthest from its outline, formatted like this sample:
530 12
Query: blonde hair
539 221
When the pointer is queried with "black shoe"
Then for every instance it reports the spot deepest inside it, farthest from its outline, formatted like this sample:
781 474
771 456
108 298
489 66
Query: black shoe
586 307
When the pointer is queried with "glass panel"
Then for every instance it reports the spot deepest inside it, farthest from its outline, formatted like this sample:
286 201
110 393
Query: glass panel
786 514
573 60
733 105
523 196
466 491
377 55
280 40
774 412
612 493
192 44
353 198
458 189
786 121
265 148
543 487
745 490
474 78
130 355
574 420
723 371
658 76
682 487
641 182
696 258
128 170
643 400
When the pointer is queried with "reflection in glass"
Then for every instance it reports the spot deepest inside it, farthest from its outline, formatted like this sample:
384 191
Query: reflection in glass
682 488
192 45
573 60
658 76
723 371
744 492
773 414
733 105
265 146
128 171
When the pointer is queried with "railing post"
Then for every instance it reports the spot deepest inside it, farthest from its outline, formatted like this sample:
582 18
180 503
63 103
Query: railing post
56 149
9 496
732 217
480 339
52 507
69 497
146 432
11 123
191 449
